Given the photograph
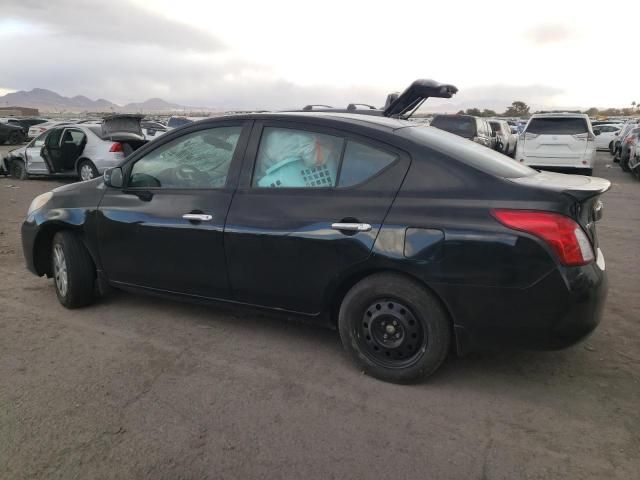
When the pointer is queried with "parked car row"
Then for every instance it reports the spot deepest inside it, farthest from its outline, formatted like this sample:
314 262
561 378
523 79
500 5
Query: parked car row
492 133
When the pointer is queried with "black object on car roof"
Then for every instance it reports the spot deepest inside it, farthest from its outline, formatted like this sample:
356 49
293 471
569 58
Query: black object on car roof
398 105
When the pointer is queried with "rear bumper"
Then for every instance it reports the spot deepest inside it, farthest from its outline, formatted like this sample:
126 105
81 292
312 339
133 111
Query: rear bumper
557 312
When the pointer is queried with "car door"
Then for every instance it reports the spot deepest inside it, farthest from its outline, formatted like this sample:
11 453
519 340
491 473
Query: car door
35 164
307 211
164 229
51 151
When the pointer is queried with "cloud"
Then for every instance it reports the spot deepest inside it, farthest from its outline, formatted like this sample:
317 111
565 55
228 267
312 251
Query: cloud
497 97
109 21
550 33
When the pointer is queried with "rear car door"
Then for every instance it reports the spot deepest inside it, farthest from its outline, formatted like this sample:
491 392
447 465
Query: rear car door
307 211
164 229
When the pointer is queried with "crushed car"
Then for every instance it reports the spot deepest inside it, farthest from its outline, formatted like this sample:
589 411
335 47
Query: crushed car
83 150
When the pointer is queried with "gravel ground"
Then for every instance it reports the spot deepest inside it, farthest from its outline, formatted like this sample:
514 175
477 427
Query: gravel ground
136 387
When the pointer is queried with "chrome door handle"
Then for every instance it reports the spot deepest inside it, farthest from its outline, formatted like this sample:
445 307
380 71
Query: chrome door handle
352 227
197 217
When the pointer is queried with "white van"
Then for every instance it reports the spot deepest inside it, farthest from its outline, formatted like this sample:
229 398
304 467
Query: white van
558 141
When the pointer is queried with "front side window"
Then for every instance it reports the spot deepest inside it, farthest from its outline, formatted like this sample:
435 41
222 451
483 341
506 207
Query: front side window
39 141
197 160
297 158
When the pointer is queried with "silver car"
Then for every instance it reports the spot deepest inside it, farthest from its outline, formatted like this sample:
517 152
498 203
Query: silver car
81 150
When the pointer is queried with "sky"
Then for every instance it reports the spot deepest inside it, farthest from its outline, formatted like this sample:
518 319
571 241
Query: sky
284 54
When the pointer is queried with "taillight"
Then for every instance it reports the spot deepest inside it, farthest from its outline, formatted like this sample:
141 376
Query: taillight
585 136
562 234
116 147
528 136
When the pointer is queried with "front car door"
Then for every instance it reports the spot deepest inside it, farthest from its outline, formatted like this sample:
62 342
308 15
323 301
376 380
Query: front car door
35 164
307 212
164 229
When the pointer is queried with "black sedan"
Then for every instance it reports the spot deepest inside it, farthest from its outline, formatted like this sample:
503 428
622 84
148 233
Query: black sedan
410 240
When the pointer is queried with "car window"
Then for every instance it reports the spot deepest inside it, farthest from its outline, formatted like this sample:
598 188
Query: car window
39 141
53 140
297 159
557 126
362 162
73 136
463 126
197 160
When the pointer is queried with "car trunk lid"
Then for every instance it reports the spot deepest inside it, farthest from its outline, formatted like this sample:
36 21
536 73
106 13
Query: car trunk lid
122 124
585 191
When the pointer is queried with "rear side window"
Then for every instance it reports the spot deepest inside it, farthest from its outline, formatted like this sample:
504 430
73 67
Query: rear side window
463 126
362 162
557 126
53 140
495 126
290 158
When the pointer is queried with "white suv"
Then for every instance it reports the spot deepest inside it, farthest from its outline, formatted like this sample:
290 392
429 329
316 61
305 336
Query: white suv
558 141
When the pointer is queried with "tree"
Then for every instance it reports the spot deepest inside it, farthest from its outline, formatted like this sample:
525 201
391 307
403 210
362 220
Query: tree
474 111
517 109
633 105
461 112
593 112
489 113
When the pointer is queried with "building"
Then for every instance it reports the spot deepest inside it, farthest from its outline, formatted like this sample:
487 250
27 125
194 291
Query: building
18 112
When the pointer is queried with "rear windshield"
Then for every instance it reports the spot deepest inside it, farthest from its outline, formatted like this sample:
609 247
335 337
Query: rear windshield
471 153
463 126
557 126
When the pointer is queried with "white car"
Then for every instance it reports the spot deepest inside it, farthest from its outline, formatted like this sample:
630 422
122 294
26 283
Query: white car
558 141
634 161
607 135
36 130
82 150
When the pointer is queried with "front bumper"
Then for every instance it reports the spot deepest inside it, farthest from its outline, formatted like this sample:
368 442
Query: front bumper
29 232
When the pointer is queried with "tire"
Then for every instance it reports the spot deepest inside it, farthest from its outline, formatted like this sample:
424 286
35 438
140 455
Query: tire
420 338
15 138
18 170
74 273
624 164
611 148
87 170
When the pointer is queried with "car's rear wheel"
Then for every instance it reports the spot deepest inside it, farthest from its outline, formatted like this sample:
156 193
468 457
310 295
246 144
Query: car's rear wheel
394 328
611 148
73 270
15 138
18 169
87 170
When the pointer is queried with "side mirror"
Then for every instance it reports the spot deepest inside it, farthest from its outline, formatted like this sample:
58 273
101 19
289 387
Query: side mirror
596 131
113 177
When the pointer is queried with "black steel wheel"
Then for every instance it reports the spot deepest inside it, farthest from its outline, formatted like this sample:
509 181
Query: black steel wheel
15 138
394 328
390 334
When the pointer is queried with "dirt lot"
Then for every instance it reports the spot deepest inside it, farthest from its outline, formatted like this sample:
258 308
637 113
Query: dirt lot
136 387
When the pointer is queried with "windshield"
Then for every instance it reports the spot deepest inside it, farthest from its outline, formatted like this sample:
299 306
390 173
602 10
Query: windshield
463 126
557 126
471 153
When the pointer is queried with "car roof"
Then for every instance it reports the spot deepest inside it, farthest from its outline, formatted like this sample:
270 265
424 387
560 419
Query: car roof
560 115
379 122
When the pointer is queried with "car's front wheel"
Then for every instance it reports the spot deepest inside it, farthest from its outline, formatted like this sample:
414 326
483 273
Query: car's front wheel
87 170
73 270
394 328
15 138
18 170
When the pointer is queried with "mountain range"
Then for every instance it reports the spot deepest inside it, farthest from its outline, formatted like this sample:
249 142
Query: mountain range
49 101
